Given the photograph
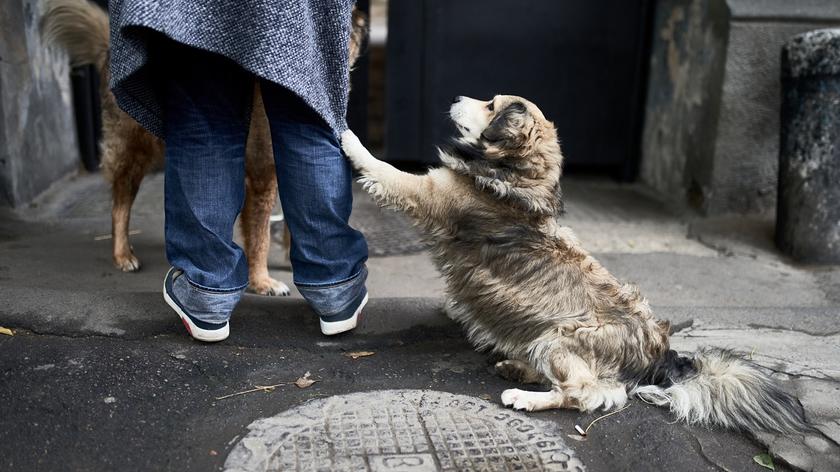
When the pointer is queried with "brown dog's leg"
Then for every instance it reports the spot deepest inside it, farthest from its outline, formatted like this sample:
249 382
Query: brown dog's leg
126 183
128 153
260 196
259 200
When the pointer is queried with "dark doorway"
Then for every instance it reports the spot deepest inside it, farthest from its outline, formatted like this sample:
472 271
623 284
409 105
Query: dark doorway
582 63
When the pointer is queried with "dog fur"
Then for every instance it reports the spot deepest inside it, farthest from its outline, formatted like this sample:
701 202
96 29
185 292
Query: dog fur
521 285
129 152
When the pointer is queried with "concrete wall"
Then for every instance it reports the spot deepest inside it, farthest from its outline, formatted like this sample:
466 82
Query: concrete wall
711 132
37 132
686 73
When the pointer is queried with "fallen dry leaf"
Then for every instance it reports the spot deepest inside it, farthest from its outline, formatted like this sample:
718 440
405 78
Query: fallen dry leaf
304 381
358 354
765 460
6 331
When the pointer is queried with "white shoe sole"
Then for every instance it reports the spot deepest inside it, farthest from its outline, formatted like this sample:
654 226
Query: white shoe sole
330 328
208 336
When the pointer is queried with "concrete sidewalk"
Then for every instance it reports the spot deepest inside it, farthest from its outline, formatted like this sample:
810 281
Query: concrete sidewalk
100 374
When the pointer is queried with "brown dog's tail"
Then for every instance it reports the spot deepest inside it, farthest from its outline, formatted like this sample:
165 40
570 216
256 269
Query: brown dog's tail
717 387
80 27
359 33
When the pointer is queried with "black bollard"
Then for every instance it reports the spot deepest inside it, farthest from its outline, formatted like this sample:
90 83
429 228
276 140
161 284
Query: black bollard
808 216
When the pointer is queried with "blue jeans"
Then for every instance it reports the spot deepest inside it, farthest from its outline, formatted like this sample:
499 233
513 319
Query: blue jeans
207 105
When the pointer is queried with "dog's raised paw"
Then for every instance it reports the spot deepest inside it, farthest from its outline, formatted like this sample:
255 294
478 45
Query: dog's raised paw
269 287
355 151
350 143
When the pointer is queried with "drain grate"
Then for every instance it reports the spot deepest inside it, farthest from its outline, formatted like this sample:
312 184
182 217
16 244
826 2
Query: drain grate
402 430
388 233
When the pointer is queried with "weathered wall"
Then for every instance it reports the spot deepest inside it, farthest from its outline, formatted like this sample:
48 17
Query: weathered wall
37 131
711 134
686 73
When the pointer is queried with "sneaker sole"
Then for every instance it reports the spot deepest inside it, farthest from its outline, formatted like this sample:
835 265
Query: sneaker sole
330 328
205 335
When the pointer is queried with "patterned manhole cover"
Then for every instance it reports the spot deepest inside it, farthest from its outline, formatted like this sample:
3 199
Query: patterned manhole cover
401 430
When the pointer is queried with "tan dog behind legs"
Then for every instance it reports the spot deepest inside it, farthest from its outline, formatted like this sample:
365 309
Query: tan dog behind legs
522 286
129 152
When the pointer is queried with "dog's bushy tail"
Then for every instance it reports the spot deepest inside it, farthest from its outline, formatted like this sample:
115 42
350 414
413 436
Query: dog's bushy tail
80 27
718 387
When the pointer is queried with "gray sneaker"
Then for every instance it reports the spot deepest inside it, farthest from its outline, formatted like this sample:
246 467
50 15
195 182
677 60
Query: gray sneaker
200 330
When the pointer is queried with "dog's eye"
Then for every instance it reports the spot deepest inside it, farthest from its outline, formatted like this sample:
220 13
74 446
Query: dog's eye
490 106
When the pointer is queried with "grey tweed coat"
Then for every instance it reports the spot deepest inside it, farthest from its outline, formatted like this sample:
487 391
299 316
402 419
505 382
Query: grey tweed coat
299 44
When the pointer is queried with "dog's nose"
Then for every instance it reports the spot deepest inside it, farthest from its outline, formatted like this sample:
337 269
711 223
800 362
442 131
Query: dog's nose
457 99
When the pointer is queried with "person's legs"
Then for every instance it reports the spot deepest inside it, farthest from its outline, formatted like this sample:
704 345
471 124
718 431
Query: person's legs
328 256
206 101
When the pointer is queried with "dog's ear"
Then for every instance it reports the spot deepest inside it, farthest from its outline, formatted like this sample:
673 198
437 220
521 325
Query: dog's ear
505 130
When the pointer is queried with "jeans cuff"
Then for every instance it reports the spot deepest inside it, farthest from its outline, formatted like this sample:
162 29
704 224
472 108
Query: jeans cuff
204 305
336 301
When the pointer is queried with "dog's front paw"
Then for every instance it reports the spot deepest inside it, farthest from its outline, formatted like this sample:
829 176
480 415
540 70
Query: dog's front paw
269 287
127 262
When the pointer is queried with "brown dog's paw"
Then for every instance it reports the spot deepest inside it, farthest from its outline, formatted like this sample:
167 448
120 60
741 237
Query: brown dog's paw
269 287
127 262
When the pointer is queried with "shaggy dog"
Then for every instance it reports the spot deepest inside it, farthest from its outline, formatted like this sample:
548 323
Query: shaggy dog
522 286
130 152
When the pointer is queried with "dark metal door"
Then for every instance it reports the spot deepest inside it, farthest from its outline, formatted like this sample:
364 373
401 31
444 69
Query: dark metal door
582 63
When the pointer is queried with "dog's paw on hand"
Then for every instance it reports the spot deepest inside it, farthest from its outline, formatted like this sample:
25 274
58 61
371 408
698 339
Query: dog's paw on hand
352 147
349 142
269 287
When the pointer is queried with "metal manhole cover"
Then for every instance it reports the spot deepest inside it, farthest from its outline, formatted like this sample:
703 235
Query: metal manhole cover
401 430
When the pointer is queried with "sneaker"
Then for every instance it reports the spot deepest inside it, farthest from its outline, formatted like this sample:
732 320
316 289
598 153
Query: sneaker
330 328
200 330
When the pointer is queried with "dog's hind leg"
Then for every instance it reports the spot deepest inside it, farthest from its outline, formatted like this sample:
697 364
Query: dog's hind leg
518 371
260 197
590 396
124 186
584 389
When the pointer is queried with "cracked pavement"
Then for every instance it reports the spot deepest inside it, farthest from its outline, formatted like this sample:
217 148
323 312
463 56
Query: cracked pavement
100 374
